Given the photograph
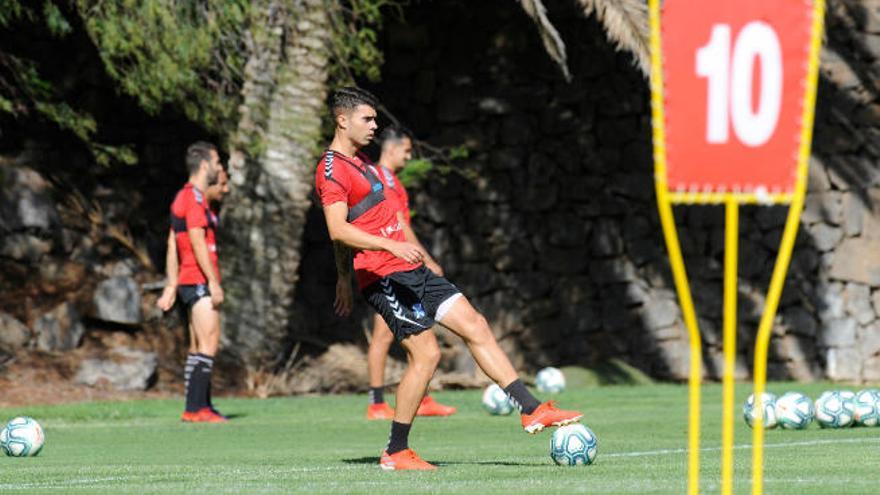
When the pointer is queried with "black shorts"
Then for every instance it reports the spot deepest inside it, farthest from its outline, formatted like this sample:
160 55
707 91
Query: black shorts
409 302
190 294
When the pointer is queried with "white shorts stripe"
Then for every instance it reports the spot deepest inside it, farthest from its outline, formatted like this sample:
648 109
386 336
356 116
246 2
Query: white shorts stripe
445 306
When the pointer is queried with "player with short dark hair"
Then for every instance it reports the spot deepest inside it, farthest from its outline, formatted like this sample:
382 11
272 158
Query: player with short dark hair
195 279
396 149
392 276
214 194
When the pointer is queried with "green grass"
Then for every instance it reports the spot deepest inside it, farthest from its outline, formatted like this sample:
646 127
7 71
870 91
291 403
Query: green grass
323 445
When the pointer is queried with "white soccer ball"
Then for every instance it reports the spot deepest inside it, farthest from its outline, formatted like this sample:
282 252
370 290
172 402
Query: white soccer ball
794 411
866 405
22 437
846 394
550 380
835 410
751 413
573 445
495 400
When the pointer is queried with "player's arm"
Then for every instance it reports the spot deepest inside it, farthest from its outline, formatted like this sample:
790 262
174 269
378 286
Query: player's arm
343 303
411 236
169 293
336 215
200 249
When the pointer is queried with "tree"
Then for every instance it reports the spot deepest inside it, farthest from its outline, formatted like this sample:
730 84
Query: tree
26 93
256 72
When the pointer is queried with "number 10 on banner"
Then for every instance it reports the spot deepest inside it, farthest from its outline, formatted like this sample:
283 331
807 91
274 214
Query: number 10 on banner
730 76
733 87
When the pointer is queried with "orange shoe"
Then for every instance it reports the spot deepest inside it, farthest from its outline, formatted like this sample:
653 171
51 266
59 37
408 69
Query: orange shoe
188 417
547 414
405 460
380 411
430 407
208 415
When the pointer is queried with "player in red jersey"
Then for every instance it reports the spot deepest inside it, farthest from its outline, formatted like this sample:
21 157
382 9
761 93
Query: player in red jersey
396 144
214 194
392 276
196 277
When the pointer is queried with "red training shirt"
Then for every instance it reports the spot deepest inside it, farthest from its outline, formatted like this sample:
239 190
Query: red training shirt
341 179
395 190
190 211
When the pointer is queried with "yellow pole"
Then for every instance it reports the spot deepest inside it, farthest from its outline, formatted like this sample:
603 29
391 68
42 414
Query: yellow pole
679 275
762 340
731 238
675 258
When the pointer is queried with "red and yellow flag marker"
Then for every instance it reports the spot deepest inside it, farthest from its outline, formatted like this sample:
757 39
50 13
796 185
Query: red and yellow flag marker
733 92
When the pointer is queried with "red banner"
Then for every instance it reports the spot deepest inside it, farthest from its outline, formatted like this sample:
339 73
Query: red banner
734 77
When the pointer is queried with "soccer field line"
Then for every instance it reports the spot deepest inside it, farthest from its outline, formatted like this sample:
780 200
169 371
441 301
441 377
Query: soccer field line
62 484
804 443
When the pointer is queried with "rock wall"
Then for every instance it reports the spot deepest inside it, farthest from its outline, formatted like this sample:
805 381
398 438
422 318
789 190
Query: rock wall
549 225
552 227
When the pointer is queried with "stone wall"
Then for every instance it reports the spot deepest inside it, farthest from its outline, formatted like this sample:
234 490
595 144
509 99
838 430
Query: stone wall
553 230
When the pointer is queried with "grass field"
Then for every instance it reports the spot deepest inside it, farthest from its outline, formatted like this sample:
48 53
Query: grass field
323 445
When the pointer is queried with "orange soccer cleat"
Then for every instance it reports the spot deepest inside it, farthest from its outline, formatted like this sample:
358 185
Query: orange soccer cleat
547 414
204 415
405 460
430 407
380 411
188 417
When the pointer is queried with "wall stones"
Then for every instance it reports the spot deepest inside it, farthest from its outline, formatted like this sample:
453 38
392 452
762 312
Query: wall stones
13 333
552 231
60 329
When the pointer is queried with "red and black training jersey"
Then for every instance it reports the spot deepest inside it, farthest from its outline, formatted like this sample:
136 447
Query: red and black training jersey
339 178
395 191
190 211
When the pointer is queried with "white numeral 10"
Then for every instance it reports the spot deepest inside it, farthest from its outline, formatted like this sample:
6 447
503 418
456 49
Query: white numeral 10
730 83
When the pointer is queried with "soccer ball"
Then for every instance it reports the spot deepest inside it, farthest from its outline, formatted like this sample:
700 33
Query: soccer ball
573 445
22 437
794 411
867 407
750 412
550 380
834 410
846 394
495 400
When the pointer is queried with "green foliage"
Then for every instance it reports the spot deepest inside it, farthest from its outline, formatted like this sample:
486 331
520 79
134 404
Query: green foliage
55 20
187 53
11 10
435 162
415 172
355 42
24 92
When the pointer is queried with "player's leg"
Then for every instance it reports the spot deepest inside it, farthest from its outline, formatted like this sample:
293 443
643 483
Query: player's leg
206 324
423 355
377 354
191 352
457 314
396 298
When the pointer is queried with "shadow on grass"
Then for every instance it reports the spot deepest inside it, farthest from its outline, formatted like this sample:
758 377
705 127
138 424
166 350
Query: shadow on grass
490 463
609 372
375 460
362 460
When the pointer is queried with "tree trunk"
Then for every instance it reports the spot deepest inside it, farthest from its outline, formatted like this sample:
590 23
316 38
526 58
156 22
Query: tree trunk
272 164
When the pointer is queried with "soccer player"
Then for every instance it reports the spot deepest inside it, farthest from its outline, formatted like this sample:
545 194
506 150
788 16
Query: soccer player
396 145
392 276
214 194
195 279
